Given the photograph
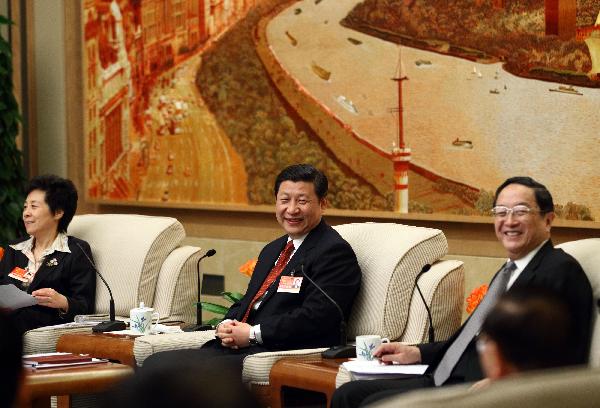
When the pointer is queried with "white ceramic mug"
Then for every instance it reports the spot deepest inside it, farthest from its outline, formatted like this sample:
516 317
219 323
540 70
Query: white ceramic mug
365 345
141 319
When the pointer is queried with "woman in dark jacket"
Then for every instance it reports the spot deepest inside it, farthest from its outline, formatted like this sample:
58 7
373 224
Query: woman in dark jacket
50 265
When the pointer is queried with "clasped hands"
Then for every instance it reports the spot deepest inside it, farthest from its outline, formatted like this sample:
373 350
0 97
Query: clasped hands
389 353
234 334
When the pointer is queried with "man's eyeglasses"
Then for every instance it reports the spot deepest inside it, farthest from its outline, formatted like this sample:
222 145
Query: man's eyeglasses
518 211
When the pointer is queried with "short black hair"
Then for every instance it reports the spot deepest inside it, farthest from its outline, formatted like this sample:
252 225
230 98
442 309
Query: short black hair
304 172
11 349
532 327
61 194
543 197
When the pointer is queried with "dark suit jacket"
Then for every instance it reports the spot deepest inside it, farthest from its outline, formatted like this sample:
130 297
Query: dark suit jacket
73 276
552 269
305 319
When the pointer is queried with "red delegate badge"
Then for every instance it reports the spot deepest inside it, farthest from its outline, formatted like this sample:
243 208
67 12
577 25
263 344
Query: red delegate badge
19 274
290 284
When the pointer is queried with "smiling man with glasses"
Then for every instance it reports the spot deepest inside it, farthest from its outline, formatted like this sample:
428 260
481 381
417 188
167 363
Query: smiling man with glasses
523 212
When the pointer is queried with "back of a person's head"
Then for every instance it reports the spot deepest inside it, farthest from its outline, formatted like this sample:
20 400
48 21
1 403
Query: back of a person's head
11 349
532 328
191 386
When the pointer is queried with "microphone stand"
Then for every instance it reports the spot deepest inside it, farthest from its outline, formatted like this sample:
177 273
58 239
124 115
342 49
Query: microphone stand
111 324
343 350
431 329
199 326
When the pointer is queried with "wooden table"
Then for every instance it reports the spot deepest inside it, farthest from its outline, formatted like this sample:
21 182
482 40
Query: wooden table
311 374
40 385
117 348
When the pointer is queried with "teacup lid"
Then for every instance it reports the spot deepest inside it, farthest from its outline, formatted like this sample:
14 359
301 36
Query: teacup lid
143 307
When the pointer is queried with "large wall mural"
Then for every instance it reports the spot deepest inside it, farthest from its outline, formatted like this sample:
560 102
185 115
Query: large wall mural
419 106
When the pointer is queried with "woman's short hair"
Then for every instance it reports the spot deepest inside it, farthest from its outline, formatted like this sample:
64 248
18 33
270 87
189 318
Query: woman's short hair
61 194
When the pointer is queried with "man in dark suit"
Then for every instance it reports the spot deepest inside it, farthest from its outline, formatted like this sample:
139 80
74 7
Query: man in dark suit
276 313
523 215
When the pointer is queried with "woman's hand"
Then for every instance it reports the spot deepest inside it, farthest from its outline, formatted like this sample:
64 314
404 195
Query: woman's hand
50 298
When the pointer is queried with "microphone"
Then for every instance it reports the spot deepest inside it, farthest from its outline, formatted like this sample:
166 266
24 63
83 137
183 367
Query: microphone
199 326
343 350
111 324
431 329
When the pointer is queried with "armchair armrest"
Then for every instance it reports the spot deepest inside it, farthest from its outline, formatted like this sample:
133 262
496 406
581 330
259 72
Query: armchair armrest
258 366
145 346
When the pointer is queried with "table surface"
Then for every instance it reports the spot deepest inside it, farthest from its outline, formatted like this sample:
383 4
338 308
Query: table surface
316 374
114 347
43 383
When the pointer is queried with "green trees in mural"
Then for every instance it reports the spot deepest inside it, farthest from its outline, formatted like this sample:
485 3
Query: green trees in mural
12 178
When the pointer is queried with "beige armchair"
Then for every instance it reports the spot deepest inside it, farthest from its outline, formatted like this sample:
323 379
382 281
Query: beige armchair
390 257
569 387
142 260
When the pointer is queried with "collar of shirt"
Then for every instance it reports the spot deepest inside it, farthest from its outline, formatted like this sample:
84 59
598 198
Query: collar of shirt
522 263
297 242
60 244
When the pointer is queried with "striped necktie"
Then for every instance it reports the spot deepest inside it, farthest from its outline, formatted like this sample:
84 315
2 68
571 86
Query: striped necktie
284 257
473 325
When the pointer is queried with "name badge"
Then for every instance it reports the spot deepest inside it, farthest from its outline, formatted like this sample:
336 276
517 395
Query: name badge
290 284
19 274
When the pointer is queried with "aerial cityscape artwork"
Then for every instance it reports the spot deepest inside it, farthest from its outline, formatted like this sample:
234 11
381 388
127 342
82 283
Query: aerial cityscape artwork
409 106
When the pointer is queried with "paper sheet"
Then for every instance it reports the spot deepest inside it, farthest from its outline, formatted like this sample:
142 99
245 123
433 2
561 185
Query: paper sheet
13 298
159 329
374 369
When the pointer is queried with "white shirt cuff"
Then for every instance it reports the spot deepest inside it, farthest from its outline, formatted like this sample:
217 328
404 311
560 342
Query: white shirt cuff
257 334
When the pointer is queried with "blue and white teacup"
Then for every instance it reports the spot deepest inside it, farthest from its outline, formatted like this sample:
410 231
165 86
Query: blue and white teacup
366 344
141 319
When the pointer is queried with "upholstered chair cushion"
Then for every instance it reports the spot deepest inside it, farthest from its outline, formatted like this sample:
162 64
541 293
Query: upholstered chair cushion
572 387
145 346
442 287
128 251
587 253
390 257
176 288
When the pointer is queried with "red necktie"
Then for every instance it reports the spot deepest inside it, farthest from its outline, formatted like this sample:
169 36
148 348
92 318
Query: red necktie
284 257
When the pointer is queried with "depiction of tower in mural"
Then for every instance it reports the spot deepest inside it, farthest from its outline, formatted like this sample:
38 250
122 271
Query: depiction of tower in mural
400 153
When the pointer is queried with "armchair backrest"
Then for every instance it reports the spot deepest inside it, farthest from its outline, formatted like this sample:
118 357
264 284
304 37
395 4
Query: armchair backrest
587 253
390 257
128 251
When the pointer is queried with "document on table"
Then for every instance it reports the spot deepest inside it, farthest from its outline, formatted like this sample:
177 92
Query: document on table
365 370
57 360
159 329
13 298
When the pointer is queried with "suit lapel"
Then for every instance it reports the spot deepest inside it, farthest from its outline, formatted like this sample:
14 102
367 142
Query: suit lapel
261 271
52 263
532 267
299 257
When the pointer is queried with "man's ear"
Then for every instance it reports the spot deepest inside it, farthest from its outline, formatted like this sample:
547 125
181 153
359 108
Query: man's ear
492 361
324 203
548 219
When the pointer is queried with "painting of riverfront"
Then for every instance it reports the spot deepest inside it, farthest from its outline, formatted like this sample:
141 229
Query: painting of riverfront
311 81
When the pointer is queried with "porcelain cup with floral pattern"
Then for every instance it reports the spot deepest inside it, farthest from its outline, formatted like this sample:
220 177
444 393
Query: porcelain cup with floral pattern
366 344
143 319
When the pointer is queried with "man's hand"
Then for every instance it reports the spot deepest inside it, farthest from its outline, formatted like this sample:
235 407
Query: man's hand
50 298
397 352
234 334
240 333
223 332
